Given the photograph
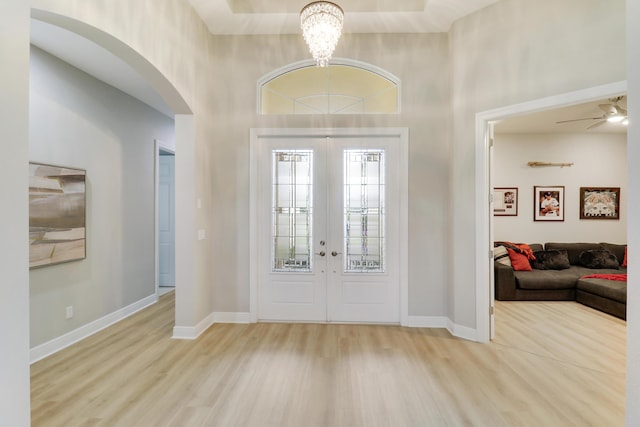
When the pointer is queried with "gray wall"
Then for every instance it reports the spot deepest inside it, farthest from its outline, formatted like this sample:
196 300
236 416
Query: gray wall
78 121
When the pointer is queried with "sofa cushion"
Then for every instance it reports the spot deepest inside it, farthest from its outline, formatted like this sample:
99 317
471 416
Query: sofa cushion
553 259
611 289
617 250
573 249
501 255
519 262
599 258
548 279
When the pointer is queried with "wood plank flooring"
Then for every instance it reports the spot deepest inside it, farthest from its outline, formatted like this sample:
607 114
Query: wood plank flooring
551 364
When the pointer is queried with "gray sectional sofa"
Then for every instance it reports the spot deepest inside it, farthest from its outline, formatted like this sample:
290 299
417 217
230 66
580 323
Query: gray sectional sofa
567 284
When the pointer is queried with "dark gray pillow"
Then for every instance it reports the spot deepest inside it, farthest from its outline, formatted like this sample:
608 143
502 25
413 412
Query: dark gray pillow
599 258
552 259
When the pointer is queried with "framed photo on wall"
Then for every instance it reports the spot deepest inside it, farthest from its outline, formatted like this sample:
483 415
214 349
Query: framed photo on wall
505 201
599 202
548 203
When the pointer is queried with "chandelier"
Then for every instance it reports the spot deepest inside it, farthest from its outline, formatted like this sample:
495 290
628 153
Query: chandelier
321 23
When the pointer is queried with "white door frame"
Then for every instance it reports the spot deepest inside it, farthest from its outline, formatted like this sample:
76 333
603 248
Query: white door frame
484 216
256 134
158 145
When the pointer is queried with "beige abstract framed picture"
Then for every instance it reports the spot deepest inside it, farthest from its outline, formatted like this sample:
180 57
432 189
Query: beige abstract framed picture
57 207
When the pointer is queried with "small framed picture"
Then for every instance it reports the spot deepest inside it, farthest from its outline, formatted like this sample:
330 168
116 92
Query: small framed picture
548 203
505 201
599 202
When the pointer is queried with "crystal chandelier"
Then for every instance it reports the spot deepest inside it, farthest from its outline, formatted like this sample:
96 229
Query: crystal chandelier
321 23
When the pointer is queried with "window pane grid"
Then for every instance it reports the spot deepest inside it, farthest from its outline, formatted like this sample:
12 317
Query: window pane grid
364 211
292 210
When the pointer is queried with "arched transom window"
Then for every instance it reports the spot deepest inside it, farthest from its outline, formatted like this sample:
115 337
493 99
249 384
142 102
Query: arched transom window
344 87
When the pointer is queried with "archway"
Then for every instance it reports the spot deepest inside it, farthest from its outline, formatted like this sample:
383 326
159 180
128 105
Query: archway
184 138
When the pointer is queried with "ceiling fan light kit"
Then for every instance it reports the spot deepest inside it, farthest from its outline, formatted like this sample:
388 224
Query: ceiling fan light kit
613 113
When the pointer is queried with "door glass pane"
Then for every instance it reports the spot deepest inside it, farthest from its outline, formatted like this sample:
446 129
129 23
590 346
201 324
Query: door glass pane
364 209
292 210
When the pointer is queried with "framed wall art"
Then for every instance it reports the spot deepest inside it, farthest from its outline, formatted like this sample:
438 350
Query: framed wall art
599 202
548 203
56 214
505 201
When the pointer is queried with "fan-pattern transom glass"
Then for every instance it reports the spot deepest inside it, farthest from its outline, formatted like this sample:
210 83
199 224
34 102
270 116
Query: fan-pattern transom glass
364 210
292 207
336 89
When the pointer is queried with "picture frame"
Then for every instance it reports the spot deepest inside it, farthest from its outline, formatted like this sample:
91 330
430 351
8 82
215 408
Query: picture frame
548 203
57 214
505 201
600 203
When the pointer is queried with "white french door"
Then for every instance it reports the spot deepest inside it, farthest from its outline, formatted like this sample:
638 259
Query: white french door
328 229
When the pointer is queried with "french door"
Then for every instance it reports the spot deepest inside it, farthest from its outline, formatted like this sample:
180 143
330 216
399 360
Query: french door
328 229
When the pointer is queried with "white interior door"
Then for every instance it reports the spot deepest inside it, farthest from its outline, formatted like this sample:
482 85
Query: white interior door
492 320
166 221
328 229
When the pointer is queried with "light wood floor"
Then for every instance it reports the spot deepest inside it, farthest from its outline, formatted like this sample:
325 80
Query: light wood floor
551 364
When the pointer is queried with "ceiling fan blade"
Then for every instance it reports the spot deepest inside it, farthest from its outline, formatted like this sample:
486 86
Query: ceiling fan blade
578 120
597 124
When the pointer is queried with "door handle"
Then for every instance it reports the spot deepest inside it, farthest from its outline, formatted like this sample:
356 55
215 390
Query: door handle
334 253
321 253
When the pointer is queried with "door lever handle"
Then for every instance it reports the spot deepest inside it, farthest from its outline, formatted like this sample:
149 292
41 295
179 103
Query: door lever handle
321 253
334 253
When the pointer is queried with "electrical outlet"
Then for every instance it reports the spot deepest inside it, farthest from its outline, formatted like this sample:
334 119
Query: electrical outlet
69 312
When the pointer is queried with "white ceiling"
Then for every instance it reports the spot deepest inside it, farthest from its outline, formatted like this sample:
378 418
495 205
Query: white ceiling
360 16
281 16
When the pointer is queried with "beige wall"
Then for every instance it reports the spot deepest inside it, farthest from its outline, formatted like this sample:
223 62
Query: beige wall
14 250
508 53
420 61
633 154
511 52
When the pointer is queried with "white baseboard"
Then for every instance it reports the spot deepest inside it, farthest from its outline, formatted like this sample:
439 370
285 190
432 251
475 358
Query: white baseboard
50 347
193 332
463 332
426 322
231 317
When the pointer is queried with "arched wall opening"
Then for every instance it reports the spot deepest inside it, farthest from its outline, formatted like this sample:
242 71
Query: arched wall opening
184 148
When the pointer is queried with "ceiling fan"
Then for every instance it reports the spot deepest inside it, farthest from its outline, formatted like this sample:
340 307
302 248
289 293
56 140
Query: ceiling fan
613 113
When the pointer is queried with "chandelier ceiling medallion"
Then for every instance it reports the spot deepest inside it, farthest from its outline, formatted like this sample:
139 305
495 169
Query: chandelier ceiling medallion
321 23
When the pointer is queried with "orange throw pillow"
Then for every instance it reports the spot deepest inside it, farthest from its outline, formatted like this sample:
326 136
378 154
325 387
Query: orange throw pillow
519 262
624 261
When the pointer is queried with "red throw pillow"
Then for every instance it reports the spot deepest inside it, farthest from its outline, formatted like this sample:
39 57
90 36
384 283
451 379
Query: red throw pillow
624 261
519 262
